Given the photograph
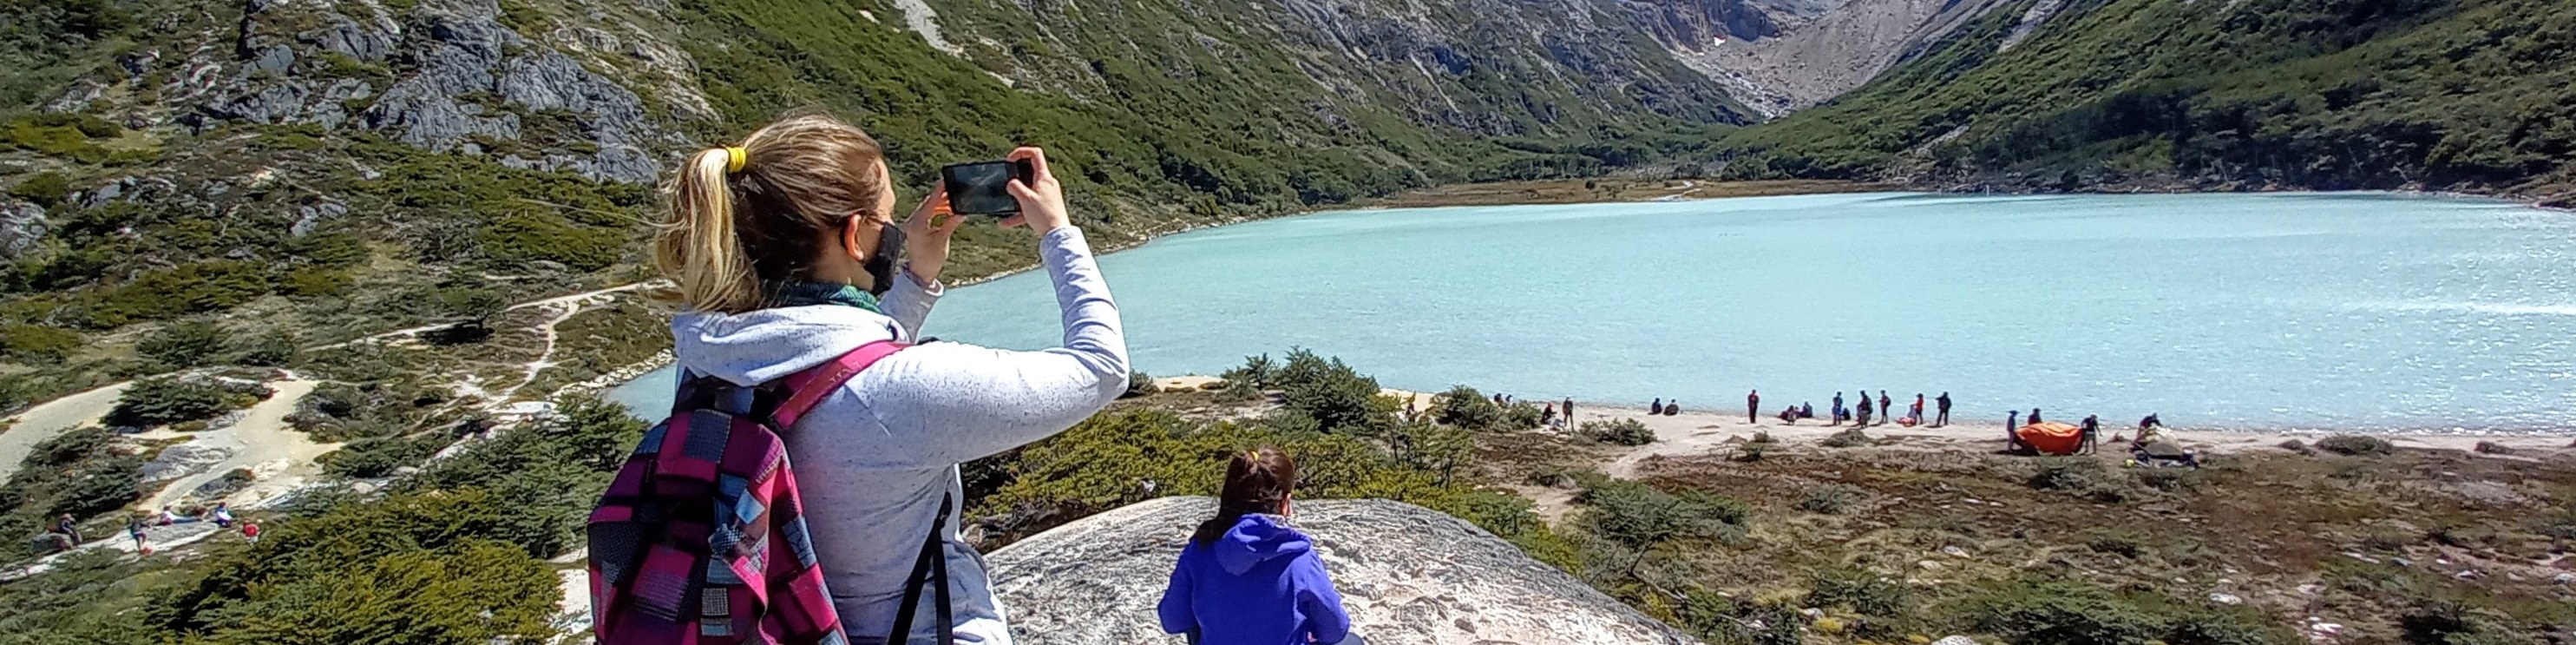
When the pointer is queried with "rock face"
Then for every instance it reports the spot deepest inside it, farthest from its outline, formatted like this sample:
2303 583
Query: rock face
1409 576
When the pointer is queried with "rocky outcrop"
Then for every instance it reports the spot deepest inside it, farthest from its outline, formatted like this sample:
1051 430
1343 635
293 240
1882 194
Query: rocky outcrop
1409 576
447 76
22 225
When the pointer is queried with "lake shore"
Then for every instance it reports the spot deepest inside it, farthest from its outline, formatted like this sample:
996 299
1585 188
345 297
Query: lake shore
1701 431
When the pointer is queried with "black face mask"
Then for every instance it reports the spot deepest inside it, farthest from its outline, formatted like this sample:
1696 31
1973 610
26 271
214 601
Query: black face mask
881 265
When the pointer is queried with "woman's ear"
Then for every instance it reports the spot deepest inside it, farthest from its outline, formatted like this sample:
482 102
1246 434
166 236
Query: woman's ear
1284 501
857 239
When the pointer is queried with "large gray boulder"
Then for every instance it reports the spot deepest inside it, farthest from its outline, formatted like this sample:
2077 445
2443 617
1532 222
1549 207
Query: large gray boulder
1409 576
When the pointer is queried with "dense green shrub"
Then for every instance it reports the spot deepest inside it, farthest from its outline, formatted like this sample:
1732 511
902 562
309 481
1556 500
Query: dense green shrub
2356 445
1623 431
1464 407
1832 499
1860 590
413 568
38 343
165 401
1337 397
379 456
1139 383
185 344
45 189
2049 611
271 349
2082 476
544 477
1640 517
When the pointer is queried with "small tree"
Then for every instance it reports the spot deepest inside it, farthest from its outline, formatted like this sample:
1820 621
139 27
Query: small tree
1465 407
185 344
166 401
1625 432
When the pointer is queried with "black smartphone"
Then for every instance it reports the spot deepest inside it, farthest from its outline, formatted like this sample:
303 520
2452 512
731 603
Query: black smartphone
981 188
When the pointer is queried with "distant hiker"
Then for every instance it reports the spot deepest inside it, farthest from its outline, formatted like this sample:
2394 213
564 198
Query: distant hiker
1806 410
2034 416
1656 408
1673 408
1789 415
223 514
1569 411
134 528
2012 434
250 531
1918 407
1944 403
1886 407
1839 412
2092 428
68 527
1246 576
1752 405
793 277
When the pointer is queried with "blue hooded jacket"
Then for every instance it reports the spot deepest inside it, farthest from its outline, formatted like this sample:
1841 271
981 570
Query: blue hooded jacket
1260 584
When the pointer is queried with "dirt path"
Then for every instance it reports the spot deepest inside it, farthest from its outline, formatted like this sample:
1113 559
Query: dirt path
545 302
44 422
280 456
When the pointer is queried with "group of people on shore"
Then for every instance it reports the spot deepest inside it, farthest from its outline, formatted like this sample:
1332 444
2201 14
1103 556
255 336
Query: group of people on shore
1864 414
65 532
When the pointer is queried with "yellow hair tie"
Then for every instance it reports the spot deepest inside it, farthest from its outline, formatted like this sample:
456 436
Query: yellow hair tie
735 159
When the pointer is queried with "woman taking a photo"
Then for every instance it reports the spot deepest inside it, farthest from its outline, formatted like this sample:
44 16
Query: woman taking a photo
783 248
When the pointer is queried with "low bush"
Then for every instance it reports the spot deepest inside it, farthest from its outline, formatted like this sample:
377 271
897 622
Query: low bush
2049 611
2082 476
38 343
185 344
2356 445
1139 383
2116 542
1624 432
1858 590
1849 438
166 401
379 456
1832 499
1464 407
1639 516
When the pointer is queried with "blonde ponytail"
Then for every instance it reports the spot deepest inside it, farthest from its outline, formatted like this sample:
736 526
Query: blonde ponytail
744 217
698 246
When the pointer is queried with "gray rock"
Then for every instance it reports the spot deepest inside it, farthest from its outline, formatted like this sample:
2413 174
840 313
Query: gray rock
183 460
1955 640
275 59
1408 575
347 38
307 217
22 225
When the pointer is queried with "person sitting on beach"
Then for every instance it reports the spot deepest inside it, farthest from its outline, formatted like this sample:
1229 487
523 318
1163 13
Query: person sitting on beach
1655 408
223 514
2034 416
1789 415
1806 410
1673 408
1862 418
1246 576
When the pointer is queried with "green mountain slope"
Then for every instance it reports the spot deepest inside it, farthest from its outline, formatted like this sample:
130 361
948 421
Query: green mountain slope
328 169
2433 94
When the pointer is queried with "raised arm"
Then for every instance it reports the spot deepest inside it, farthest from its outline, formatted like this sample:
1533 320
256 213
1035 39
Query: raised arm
970 402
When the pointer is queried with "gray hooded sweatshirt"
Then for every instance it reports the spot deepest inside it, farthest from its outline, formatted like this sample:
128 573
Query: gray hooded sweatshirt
875 459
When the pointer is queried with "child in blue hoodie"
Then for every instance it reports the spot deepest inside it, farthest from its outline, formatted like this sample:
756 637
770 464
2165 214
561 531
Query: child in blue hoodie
1246 577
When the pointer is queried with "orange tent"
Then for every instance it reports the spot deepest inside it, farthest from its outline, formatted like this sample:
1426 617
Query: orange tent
2052 437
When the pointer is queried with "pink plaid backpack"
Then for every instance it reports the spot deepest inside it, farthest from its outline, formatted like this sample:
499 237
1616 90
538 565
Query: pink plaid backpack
701 537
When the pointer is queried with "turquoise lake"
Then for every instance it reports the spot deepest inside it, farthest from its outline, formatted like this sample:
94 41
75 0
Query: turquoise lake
2346 311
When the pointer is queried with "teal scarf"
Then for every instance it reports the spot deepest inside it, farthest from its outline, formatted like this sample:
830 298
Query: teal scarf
800 293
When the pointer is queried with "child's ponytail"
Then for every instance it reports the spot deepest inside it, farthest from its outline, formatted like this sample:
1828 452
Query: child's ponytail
1256 481
698 246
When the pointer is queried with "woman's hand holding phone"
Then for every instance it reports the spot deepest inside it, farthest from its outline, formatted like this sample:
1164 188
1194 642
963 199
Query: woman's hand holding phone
1041 202
926 235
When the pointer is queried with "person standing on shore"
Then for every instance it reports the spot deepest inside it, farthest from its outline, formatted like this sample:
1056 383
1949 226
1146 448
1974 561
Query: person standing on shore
134 528
1569 412
1839 412
1916 412
1886 407
2012 431
1944 403
1864 408
1752 406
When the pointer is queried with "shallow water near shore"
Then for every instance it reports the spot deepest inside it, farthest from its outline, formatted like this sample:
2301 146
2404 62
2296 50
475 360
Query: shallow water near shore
2346 311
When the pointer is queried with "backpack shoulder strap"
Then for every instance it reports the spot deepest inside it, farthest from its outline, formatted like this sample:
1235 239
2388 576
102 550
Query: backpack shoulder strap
811 386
